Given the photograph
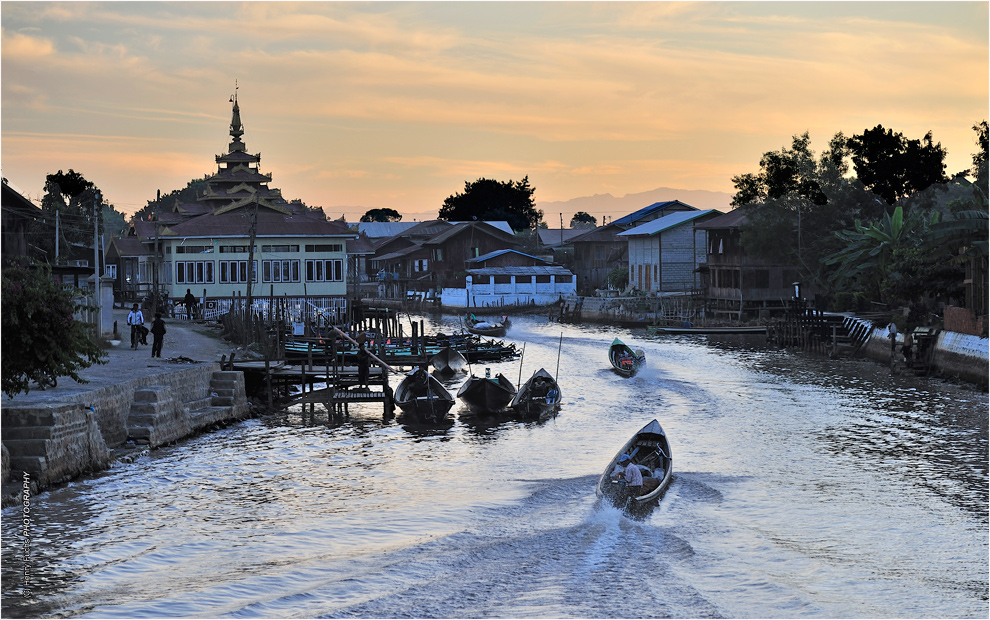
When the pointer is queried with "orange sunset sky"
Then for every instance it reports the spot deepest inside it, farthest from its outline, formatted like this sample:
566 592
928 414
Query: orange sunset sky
362 105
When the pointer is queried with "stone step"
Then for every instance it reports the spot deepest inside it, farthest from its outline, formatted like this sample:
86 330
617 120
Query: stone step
28 447
208 415
199 403
150 408
30 464
14 433
151 394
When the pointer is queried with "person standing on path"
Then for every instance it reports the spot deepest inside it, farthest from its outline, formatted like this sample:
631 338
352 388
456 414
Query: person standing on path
190 301
158 331
135 318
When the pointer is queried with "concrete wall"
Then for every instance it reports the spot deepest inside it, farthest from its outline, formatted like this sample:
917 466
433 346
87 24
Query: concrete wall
956 355
59 441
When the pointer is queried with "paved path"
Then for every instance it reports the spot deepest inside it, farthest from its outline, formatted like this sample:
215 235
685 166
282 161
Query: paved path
195 341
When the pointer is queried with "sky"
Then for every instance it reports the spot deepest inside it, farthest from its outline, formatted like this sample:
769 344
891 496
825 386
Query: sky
355 106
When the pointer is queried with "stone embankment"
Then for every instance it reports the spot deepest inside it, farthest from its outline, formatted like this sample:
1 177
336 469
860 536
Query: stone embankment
132 401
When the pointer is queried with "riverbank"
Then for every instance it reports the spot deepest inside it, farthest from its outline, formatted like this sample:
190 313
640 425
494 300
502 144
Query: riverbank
131 402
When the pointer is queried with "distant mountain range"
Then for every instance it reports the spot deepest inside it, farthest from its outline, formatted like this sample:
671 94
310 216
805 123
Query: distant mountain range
616 207
598 205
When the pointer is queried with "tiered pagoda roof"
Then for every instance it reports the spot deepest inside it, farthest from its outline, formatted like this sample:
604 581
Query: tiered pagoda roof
237 194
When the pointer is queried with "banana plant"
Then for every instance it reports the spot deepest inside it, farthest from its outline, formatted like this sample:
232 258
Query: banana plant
867 257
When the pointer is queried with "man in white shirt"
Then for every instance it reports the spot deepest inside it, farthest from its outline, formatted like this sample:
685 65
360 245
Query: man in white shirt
135 318
631 474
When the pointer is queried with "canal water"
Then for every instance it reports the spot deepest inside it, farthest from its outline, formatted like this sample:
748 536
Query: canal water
803 488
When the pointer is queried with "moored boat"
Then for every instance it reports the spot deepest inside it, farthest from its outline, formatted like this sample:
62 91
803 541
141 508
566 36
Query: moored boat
483 327
448 361
422 397
625 361
538 397
487 394
648 450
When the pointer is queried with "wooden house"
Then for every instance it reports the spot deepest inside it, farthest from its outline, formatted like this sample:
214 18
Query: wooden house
740 286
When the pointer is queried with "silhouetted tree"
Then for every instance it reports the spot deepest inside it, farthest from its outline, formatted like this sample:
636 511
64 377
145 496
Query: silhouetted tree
381 215
582 219
491 200
76 201
892 166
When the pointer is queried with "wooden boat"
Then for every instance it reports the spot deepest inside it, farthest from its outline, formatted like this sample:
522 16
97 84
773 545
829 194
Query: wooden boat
749 329
481 327
650 451
538 397
487 394
422 397
625 361
448 361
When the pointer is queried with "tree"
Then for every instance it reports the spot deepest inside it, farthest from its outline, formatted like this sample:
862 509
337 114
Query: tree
381 215
789 171
491 200
582 219
39 332
869 259
892 166
979 170
164 204
70 205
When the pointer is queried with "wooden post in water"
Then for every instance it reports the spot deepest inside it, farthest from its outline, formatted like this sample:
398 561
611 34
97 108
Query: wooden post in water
268 380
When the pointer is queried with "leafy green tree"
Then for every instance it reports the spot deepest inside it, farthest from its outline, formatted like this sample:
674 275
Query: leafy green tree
583 219
381 215
491 200
617 279
39 332
868 260
892 166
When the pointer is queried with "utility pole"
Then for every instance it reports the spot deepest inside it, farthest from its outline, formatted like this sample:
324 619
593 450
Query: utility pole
96 264
56 236
157 264
250 274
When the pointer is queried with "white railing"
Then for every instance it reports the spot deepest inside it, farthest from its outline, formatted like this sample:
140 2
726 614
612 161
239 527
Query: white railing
323 310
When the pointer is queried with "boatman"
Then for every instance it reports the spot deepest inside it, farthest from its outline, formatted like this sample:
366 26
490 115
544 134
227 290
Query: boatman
631 474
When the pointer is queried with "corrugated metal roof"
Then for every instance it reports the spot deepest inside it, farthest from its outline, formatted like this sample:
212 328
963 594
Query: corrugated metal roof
376 230
499 224
536 270
665 223
656 206
490 255
552 236
732 219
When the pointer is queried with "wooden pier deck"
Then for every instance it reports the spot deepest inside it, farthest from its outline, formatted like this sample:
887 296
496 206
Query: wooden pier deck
342 385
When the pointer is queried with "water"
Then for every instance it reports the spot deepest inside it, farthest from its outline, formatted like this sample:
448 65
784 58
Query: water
803 487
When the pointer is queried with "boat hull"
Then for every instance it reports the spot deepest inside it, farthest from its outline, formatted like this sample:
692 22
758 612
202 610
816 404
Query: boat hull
625 362
649 449
422 398
538 398
448 362
486 395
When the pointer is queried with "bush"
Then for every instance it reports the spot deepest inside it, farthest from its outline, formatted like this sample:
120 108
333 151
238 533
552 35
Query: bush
39 331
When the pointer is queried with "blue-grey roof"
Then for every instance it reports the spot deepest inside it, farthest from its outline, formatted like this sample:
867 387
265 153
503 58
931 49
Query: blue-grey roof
490 255
499 224
656 206
666 222
375 230
522 270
